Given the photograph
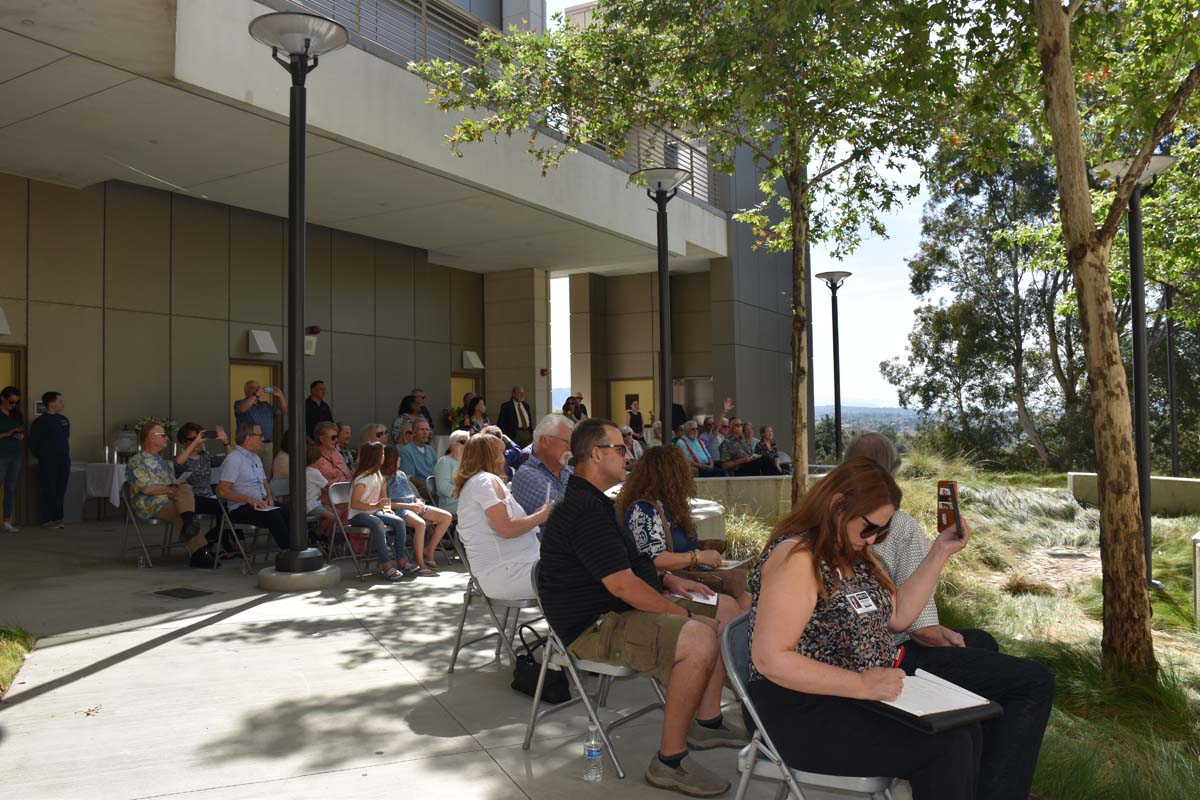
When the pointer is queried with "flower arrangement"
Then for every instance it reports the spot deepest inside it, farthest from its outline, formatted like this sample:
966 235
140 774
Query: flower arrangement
456 418
169 425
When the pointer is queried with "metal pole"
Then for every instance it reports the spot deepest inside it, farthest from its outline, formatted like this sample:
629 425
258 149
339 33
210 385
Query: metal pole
1141 372
837 380
661 199
299 557
1172 400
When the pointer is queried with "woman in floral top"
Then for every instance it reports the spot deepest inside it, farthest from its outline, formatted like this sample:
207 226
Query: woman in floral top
821 629
156 494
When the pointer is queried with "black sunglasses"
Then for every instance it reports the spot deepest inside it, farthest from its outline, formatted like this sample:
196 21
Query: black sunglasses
880 532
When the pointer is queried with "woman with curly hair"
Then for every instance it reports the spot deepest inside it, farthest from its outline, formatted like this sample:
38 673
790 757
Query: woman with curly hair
659 491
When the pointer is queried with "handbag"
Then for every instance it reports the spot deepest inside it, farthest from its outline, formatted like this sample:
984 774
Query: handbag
525 673
722 581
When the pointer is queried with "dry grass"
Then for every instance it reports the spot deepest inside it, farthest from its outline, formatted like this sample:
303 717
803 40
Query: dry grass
1018 583
15 643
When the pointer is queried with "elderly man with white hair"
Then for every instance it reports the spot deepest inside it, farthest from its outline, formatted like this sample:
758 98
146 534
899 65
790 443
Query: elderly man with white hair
544 474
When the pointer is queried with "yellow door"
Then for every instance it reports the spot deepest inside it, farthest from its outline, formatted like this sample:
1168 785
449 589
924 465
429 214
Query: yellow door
239 373
621 395
460 385
9 367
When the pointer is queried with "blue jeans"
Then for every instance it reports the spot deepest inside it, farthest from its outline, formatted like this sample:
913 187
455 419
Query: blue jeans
379 524
10 470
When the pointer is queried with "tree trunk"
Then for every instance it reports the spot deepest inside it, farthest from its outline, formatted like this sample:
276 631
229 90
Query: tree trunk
1127 646
800 376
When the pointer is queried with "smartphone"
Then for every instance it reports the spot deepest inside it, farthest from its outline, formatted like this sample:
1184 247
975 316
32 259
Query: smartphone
268 390
947 507
208 435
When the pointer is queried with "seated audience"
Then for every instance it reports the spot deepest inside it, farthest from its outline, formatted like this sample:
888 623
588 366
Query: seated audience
245 489
634 447
279 467
655 437
571 408
694 452
655 498
766 446
601 595
544 474
345 434
444 471
476 415
406 415
372 432
419 395
414 512
968 657
318 514
195 462
501 541
516 420
814 652
514 456
738 458
748 433
331 465
418 459
718 431
156 494
370 508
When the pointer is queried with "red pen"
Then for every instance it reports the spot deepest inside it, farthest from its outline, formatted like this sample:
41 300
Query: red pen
899 657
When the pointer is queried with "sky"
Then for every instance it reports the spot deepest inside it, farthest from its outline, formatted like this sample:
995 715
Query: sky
875 308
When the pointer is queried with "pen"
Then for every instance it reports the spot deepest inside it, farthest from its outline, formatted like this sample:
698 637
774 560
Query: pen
899 657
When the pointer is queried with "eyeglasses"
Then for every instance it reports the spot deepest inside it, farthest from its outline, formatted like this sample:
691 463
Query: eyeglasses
880 532
620 448
559 438
249 435
380 434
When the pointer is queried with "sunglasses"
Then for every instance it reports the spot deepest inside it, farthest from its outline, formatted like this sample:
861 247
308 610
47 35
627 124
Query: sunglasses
880 532
620 448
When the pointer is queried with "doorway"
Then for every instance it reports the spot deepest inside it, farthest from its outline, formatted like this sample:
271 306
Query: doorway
12 373
621 395
265 372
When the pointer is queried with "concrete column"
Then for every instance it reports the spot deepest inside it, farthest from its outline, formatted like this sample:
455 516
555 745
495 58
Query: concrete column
589 341
516 320
524 15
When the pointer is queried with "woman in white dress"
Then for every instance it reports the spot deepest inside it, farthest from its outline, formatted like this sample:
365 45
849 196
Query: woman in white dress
501 541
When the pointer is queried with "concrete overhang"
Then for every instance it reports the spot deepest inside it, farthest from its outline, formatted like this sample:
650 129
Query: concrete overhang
84 99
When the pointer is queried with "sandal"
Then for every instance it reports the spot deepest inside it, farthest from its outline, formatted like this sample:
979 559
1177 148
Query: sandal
426 572
394 575
408 567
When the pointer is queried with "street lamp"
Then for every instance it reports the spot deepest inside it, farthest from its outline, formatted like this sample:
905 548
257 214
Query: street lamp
834 281
662 183
303 38
1141 371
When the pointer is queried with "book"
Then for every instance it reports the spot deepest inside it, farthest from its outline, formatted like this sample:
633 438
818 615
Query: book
932 704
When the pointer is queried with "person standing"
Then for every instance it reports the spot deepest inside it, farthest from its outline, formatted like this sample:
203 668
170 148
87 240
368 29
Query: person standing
12 431
50 443
258 408
516 420
315 408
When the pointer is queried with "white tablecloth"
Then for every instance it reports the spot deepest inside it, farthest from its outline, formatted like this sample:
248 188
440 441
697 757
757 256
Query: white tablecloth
104 480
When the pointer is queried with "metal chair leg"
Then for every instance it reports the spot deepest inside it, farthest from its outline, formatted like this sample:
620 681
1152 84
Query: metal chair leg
462 621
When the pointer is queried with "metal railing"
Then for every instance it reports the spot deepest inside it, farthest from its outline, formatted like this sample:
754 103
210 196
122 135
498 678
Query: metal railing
418 30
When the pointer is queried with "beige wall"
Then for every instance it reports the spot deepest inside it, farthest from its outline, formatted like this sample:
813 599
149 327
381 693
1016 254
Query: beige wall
133 301
516 315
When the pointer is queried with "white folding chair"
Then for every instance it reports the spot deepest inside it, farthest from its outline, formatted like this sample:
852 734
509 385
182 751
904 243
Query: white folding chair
511 607
555 654
761 752
132 519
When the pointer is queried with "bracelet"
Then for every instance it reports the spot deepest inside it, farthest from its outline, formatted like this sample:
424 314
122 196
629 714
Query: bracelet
695 559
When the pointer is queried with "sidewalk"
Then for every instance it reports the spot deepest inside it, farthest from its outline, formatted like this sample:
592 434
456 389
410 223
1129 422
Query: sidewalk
245 694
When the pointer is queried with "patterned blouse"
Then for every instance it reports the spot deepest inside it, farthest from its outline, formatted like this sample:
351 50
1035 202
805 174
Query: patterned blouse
200 478
645 525
837 634
763 449
145 470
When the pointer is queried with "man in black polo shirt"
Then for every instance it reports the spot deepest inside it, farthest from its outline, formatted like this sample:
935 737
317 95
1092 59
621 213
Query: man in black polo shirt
316 410
605 599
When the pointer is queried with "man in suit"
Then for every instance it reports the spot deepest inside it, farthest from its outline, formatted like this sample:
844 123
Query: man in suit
516 420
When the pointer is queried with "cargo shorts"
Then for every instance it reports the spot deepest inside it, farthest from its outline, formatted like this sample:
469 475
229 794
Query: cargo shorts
637 639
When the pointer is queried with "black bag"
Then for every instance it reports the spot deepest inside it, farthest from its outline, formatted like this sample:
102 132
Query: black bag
525 674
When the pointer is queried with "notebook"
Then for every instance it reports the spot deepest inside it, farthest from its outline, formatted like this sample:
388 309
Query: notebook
932 704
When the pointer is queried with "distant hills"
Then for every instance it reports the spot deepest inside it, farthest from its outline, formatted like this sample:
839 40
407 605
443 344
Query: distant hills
872 418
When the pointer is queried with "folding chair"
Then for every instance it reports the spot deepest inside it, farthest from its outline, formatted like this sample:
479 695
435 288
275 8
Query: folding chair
513 607
280 488
555 654
235 531
131 518
446 550
735 649
339 493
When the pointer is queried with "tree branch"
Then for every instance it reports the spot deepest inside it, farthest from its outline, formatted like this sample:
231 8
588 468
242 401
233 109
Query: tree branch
1166 121
1073 9
825 173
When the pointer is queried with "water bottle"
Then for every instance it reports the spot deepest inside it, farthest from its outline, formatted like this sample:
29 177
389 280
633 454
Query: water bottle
141 562
593 757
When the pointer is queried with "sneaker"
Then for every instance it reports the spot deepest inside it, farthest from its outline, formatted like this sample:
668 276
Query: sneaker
60 524
688 778
9 527
730 734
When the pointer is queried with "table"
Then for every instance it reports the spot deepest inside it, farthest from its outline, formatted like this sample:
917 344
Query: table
105 480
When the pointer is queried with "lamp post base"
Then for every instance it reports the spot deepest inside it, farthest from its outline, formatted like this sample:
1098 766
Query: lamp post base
306 560
272 580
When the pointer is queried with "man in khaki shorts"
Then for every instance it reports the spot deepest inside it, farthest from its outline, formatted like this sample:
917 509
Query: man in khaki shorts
605 598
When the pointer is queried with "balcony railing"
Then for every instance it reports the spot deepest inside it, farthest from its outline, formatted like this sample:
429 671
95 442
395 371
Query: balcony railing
418 30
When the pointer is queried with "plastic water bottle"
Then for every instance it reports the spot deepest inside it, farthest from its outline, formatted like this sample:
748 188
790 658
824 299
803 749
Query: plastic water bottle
141 562
593 757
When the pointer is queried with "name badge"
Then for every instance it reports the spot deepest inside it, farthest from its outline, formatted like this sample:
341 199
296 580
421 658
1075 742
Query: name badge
861 602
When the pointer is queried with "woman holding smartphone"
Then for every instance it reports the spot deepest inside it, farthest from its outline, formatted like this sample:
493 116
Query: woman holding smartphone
821 622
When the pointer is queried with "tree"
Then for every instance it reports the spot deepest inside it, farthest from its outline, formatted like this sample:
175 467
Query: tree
830 97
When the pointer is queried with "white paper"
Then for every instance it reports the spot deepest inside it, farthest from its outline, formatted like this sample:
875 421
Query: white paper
183 478
708 600
924 694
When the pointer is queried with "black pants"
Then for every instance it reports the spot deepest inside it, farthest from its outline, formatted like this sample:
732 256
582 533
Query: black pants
1023 687
762 465
52 480
840 736
275 520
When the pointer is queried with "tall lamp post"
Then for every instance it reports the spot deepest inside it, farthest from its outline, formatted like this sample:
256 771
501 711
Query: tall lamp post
1141 370
662 184
297 41
834 281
